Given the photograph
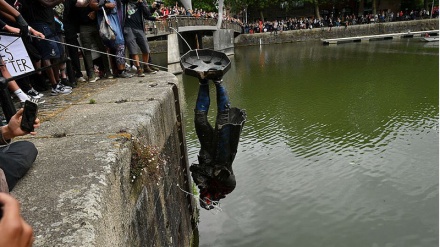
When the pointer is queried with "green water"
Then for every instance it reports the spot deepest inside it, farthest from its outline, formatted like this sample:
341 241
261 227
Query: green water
340 147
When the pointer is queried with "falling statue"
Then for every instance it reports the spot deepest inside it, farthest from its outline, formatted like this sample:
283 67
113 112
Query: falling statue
213 174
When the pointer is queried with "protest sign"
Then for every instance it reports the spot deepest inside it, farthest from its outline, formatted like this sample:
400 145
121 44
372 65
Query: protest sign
14 55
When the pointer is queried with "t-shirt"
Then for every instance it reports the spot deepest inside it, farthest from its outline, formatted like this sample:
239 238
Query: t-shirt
134 16
33 12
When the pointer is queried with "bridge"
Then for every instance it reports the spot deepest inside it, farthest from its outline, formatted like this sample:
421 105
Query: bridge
192 29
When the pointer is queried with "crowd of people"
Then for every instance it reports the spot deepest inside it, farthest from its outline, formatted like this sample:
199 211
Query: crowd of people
331 20
53 30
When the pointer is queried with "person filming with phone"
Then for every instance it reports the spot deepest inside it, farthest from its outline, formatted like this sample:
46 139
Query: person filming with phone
16 158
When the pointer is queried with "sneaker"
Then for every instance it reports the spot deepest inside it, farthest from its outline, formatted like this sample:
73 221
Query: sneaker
34 94
109 76
139 73
153 68
35 100
64 86
94 79
80 79
124 74
65 82
149 71
60 89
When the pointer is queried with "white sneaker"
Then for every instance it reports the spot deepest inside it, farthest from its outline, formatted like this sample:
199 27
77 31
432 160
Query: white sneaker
34 94
80 79
60 89
94 79
64 86
35 100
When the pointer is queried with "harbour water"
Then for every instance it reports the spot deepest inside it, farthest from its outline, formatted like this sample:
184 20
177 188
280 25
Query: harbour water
340 148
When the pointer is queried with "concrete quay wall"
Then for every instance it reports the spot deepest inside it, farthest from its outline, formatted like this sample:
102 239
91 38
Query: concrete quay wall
111 168
337 32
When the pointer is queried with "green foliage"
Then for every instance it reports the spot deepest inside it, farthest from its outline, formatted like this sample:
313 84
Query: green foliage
411 4
206 5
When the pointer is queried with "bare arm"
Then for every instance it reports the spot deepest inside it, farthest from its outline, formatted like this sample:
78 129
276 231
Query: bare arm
8 9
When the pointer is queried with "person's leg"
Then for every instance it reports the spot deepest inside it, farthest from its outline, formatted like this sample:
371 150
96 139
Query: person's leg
16 159
104 57
142 42
87 39
223 129
120 61
12 85
204 130
73 54
3 184
132 47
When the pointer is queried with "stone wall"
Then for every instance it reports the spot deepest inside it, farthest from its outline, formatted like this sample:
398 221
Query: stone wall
111 168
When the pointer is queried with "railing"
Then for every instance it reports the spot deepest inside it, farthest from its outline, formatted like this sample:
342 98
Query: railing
158 28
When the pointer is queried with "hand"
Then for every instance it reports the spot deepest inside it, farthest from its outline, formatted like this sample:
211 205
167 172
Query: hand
36 33
14 231
110 5
12 129
14 30
92 15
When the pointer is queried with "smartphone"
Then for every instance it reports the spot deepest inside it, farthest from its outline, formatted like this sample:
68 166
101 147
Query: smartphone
29 116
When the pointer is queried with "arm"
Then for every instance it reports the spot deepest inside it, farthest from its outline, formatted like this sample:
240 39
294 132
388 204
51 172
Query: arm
95 5
146 11
8 9
9 29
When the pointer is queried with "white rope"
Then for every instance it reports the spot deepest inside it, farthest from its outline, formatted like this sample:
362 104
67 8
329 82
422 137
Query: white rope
215 204
100 52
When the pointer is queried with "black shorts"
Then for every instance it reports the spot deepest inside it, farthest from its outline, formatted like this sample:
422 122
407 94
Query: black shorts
47 48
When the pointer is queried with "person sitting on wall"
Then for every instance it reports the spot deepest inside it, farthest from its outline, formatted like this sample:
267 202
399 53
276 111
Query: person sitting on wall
213 174
16 158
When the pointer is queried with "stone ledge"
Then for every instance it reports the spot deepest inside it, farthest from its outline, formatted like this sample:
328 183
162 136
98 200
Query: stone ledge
79 190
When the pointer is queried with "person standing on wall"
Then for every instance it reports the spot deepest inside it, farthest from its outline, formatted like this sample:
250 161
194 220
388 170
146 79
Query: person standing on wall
134 33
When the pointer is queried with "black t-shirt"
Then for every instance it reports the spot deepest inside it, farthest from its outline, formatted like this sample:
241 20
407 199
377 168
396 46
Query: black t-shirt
83 17
33 12
133 18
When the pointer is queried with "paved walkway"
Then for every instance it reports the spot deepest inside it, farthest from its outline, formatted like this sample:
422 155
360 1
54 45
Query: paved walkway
84 90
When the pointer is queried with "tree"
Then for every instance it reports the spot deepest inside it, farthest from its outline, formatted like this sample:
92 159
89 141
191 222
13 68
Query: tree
315 7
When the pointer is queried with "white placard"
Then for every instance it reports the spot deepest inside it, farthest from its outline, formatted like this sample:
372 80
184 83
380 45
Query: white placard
14 55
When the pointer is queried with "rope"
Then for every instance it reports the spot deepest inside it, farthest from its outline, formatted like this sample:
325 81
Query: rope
215 204
87 49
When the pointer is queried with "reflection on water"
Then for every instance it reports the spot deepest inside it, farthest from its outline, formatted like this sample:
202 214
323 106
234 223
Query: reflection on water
340 147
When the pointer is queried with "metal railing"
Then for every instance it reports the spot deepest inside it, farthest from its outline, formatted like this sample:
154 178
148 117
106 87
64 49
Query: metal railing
160 28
